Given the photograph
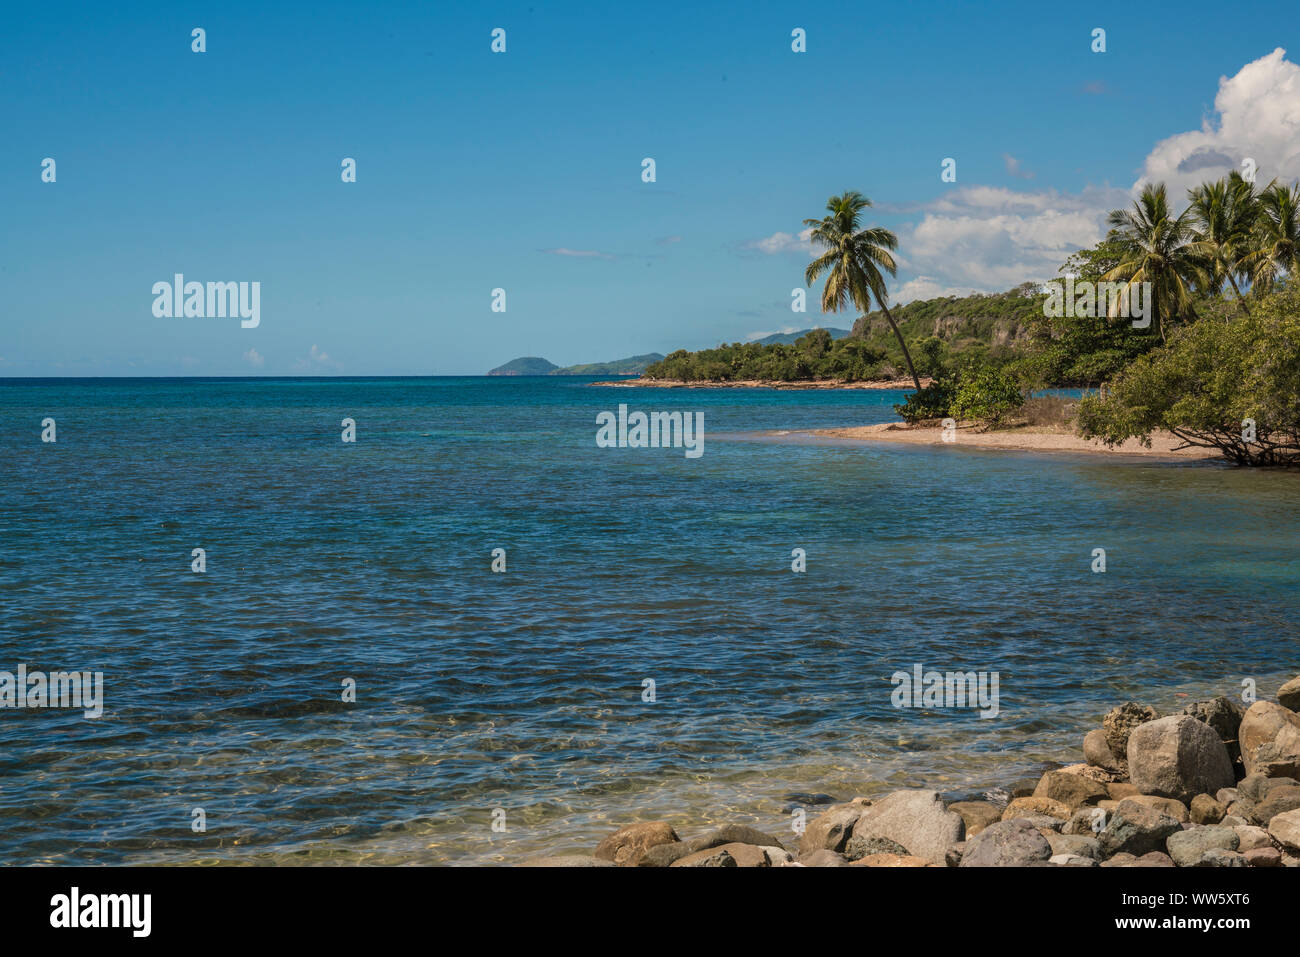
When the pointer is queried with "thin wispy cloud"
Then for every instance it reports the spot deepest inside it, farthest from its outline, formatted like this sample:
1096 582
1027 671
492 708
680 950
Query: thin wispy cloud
579 253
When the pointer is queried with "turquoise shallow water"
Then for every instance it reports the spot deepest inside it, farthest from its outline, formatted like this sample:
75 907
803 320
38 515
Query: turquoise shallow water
523 690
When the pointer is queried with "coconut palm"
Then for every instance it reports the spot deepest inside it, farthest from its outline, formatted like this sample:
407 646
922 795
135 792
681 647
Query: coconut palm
1156 248
1277 237
853 261
1223 217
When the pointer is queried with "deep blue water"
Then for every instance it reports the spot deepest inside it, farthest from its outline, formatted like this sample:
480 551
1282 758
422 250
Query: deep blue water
523 690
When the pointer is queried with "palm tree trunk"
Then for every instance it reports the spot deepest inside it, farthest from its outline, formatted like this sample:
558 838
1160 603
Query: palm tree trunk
1240 300
902 345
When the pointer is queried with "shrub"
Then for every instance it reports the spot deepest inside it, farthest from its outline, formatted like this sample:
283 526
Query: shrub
986 396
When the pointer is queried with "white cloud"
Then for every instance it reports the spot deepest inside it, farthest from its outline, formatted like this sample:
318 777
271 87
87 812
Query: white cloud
1013 167
784 243
579 253
254 358
924 287
784 330
317 361
1257 117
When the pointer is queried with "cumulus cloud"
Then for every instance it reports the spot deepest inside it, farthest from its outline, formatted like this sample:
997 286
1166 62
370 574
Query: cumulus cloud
254 358
778 242
925 287
1256 116
1013 167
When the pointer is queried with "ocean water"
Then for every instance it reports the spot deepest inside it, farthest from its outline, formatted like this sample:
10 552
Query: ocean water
523 690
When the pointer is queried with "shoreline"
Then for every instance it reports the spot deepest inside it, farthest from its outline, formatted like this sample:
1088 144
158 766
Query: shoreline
1164 446
642 383
1210 785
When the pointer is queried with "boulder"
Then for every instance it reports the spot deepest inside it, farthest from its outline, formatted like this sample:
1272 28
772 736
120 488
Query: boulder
830 829
1036 807
915 819
1011 843
1178 757
1277 801
1175 809
1206 810
1072 790
664 854
1096 751
1225 796
1250 837
860 846
1135 829
1120 790
734 834
1218 857
1288 696
1263 857
1119 723
710 857
1285 829
890 860
1270 740
1150 859
952 856
822 858
745 855
628 845
976 815
1077 845
1086 821
778 856
1254 788
1223 715
1188 847
1071 860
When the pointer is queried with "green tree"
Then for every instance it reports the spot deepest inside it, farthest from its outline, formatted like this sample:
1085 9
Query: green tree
853 261
1223 215
1277 237
1155 247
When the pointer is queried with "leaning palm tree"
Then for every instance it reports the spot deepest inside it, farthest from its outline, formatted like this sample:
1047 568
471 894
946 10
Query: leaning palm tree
1156 249
1223 216
853 262
1277 237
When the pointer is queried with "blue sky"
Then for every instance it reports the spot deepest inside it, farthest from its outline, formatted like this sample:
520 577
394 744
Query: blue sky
522 170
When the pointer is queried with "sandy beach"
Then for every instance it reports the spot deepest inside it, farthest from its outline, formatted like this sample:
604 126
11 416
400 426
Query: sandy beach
1029 438
759 384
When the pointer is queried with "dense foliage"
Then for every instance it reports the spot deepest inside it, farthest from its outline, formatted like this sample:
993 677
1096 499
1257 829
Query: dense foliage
813 356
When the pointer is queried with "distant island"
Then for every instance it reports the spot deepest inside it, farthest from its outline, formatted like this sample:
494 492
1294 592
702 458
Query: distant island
535 365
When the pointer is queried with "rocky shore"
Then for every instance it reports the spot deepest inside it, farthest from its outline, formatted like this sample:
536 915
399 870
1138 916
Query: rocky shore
1215 785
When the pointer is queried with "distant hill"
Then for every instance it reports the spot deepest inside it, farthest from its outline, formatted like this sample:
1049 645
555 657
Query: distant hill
532 365
528 365
785 338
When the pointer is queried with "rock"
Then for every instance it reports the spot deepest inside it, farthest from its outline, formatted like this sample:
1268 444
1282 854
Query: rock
1188 847
1076 845
1254 788
1071 860
1072 790
1009 843
745 855
1285 829
1150 859
778 856
1135 829
1175 809
628 845
1036 806
1023 788
1225 796
664 855
822 858
915 819
1178 757
734 834
1096 751
1251 837
1270 740
1121 790
1099 775
831 829
1206 810
1277 801
710 857
1120 722
1288 696
1223 715
890 860
977 815
860 845
1086 821
566 860
1217 857
1263 857
1232 820
952 856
